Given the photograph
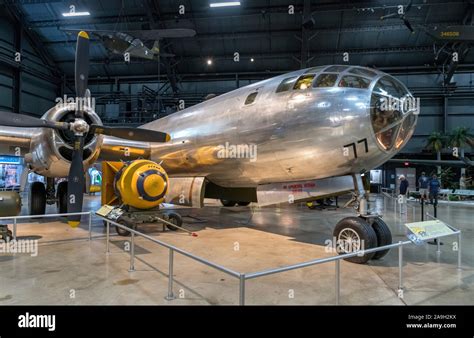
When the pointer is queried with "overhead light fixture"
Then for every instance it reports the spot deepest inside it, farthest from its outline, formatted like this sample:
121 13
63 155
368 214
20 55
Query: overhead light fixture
224 4
69 14
252 60
209 62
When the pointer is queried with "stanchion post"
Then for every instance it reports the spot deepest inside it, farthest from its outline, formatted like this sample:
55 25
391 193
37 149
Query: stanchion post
90 226
107 244
242 290
132 253
14 229
400 266
338 280
170 295
459 251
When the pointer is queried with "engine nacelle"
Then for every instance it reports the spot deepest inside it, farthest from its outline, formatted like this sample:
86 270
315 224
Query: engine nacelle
141 184
51 150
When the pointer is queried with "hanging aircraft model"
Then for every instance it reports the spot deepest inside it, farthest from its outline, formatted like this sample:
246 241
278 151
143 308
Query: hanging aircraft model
295 137
142 44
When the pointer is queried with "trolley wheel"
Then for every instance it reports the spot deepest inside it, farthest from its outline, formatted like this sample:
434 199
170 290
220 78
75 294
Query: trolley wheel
120 231
243 204
384 236
37 199
175 219
228 203
354 234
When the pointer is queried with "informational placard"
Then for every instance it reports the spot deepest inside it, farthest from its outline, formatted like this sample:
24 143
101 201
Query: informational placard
423 231
104 210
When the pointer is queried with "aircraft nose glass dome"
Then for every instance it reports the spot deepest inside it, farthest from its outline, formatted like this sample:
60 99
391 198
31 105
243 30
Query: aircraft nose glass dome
392 119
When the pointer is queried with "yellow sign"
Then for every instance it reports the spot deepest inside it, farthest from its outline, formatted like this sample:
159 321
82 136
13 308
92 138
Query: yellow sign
429 229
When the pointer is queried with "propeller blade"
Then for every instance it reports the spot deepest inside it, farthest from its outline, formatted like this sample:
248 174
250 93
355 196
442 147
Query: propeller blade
76 182
407 23
392 15
81 75
24 121
134 134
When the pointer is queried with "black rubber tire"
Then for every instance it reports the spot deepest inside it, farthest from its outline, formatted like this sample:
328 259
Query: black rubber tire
175 219
122 232
243 204
37 199
365 233
228 203
384 236
61 195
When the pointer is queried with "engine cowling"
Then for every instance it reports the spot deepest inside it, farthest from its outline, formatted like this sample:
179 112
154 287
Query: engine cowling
141 184
51 150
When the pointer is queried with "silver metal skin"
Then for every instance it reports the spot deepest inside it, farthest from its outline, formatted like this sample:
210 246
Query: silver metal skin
299 134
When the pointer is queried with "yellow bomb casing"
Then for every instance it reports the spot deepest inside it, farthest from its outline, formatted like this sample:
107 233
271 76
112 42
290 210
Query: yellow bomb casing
142 184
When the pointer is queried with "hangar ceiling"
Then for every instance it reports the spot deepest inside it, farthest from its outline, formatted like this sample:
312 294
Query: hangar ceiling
260 30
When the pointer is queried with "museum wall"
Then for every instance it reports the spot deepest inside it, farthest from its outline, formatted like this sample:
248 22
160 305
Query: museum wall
37 94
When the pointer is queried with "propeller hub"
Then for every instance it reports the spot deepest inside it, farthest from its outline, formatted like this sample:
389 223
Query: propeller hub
79 127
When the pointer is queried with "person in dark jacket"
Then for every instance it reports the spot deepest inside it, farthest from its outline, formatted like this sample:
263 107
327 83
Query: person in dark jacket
403 193
423 182
434 187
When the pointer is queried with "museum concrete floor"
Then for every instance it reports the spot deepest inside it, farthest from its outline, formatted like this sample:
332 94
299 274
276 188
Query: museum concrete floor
69 269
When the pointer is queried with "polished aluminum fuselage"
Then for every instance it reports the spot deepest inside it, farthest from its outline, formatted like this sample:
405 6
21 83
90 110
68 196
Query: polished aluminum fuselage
299 134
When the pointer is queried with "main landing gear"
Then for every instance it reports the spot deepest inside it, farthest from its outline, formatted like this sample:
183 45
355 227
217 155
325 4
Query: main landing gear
365 231
41 195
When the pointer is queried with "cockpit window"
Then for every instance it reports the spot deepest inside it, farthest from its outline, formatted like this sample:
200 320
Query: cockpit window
391 122
406 130
251 98
336 69
286 84
315 70
325 80
388 86
354 82
362 71
304 82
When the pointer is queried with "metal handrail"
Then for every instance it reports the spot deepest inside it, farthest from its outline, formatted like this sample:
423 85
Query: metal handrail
15 218
243 277
174 248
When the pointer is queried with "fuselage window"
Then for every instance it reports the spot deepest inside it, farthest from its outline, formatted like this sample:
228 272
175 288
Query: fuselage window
354 82
286 84
304 82
251 98
325 80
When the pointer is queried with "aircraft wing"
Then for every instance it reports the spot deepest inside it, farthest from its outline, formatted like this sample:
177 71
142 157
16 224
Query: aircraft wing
156 34
116 149
153 34
16 141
